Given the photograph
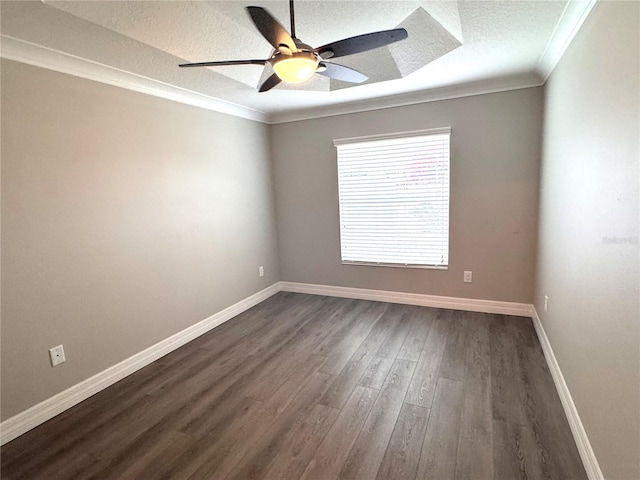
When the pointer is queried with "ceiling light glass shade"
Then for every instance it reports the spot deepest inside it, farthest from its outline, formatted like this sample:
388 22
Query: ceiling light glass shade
295 68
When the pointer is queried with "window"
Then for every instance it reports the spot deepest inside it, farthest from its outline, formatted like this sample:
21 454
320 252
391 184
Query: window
394 199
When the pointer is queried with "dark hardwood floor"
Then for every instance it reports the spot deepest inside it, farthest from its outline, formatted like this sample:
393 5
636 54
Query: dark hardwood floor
309 387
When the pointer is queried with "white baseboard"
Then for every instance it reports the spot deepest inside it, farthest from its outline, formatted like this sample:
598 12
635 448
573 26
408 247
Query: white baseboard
40 413
455 303
486 306
577 429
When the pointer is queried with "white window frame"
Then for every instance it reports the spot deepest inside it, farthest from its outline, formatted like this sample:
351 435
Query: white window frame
393 136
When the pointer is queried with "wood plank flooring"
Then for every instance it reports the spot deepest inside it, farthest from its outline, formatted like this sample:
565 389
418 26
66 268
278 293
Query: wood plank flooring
321 388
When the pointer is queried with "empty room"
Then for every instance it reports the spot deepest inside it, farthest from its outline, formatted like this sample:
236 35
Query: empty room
320 240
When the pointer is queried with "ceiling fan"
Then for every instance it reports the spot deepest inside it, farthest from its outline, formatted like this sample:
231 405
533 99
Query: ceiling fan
295 62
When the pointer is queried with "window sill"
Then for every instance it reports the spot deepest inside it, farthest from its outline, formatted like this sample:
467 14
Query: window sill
397 265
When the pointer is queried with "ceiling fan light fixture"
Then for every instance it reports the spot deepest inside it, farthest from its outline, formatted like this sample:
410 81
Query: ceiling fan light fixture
295 68
296 62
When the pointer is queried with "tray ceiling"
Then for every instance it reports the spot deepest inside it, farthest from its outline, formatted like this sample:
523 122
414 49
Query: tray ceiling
454 48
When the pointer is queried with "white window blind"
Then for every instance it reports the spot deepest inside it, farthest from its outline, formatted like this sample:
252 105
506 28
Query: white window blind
394 199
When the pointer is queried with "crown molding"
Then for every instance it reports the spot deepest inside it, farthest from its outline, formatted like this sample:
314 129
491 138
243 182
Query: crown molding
483 87
22 51
571 20
575 14
26 52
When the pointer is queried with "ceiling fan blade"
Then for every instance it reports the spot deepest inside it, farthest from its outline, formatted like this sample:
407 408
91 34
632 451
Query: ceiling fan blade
361 43
340 72
225 62
269 83
270 29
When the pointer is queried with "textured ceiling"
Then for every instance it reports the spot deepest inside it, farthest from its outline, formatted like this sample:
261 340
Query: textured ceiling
450 43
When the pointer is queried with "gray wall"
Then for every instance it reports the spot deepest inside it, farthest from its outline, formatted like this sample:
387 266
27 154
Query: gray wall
125 219
589 198
495 153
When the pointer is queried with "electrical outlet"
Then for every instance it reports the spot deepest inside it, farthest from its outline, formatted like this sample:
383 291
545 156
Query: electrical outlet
57 355
261 271
546 303
468 276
